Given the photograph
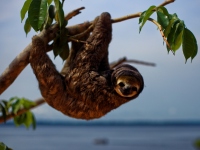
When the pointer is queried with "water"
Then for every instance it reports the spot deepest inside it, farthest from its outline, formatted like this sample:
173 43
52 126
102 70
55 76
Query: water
100 137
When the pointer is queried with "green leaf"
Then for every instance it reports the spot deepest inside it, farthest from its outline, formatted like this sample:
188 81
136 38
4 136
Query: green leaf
173 34
177 21
25 9
178 36
189 44
173 20
28 120
170 38
173 16
13 99
48 22
168 28
4 147
16 106
56 46
142 17
65 52
162 19
27 27
27 103
57 50
19 120
20 103
49 2
197 143
163 10
195 48
33 122
4 112
37 13
52 11
146 16
59 13
51 15
178 41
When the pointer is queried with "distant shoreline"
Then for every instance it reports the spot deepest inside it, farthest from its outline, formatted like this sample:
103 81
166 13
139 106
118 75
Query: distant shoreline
112 123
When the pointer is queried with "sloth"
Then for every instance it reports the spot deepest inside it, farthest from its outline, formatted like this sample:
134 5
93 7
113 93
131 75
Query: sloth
87 88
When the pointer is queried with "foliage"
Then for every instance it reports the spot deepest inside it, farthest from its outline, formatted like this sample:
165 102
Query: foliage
41 15
14 106
197 143
4 147
174 30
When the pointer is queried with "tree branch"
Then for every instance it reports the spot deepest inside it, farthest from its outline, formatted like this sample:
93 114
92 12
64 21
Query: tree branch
125 60
166 2
22 60
73 13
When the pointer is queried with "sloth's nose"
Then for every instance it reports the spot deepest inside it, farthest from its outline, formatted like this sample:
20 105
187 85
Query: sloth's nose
129 90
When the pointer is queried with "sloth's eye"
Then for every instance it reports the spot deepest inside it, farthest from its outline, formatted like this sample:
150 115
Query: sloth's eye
121 84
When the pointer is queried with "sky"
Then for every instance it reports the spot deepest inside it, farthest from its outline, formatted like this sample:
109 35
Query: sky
171 90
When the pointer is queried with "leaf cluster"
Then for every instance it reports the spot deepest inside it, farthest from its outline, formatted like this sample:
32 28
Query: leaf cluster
4 147
41 15
174 30
197 143
13 106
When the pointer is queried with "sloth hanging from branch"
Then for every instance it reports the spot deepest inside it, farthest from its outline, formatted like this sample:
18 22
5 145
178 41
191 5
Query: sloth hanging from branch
86 88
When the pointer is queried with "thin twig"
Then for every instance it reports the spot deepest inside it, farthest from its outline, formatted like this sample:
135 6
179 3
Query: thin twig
116 20
141 63
85 32
161 32
131 16
73 13
75 40
116 63
166 2
125 60
136 15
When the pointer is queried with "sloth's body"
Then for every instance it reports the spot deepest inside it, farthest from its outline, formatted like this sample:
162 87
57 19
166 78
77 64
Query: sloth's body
89 89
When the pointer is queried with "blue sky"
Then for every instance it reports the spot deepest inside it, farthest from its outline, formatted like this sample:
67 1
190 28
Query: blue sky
171 88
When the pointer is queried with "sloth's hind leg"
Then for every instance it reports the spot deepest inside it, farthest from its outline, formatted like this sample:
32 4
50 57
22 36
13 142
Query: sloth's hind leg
74 51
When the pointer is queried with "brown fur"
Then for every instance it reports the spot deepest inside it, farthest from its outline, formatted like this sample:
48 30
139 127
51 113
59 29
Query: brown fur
86 91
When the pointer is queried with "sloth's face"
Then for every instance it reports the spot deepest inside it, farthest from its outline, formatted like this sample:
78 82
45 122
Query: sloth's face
127 86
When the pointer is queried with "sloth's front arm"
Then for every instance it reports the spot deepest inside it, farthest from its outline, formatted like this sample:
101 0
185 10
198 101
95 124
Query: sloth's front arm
51 82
